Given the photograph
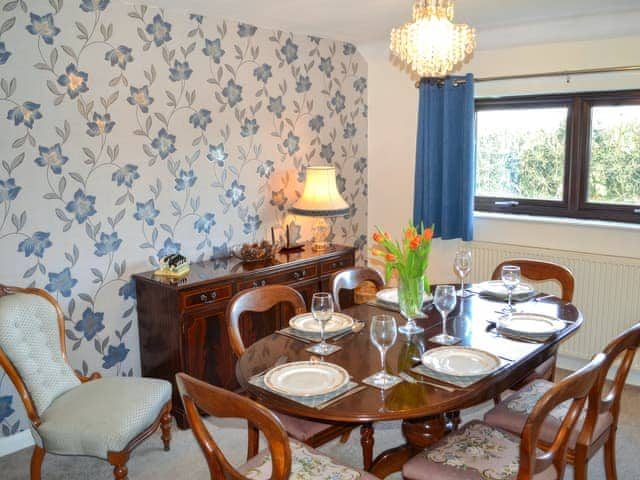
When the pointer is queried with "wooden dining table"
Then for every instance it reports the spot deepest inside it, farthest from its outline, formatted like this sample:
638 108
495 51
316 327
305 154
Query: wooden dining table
428 411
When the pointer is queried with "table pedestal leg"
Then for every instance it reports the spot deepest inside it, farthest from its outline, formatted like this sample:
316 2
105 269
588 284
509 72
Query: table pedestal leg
420 434
366 440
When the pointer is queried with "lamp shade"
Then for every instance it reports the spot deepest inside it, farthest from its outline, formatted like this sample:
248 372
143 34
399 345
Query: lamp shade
320 197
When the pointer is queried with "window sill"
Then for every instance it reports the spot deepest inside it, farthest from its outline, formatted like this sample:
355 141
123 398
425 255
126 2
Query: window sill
630 227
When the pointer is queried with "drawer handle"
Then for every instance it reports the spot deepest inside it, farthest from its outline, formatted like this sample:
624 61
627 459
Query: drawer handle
213 295
296 275
260 283
205 299
337 264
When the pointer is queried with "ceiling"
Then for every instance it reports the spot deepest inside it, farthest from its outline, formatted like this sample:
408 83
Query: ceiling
365 21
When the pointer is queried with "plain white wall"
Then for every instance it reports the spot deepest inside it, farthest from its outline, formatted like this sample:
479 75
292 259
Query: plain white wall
393 101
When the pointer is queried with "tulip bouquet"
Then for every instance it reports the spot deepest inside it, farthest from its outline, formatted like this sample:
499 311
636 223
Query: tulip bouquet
410 258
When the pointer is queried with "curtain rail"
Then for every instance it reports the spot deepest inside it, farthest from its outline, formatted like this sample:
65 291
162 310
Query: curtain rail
559 73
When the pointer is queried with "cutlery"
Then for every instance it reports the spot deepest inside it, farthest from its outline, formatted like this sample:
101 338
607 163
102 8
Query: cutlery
408 378
340 397
295 337
355 328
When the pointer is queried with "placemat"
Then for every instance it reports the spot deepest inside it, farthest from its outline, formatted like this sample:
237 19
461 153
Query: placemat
314 402
453 380
314 337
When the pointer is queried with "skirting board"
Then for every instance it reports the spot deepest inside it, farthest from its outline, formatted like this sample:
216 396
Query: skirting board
573 364
16 442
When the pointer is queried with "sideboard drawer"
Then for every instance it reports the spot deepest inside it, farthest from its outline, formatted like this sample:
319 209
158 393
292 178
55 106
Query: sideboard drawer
206 296
336 264
285 277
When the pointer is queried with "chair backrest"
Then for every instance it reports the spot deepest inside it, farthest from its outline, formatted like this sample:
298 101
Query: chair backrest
351 278
539 271
222 403
624 345
574 390
258 299
32 348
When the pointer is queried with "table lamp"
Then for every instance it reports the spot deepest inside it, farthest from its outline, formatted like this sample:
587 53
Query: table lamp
320 199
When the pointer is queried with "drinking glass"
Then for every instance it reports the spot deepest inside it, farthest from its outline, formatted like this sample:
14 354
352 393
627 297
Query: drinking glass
510 275
462 265
384 331
322 310
444 299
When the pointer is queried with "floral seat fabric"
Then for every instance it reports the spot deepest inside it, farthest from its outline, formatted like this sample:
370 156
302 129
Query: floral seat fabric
475 452
511 414
299 428
306 464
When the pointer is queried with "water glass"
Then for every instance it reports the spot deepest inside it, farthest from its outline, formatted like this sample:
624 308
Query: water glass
444 300
462 265
383 332
510 275
322 310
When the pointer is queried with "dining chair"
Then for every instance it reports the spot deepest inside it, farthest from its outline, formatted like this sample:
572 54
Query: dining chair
351 278
594 430
72 414
283 459
262 299
481 451
539 270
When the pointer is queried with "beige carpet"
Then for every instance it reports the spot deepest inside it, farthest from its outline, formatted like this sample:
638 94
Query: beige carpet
185 461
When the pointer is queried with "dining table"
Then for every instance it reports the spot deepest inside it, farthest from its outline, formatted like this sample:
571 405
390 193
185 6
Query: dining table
429 410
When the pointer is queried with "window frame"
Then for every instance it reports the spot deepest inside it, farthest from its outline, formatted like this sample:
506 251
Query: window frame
574 203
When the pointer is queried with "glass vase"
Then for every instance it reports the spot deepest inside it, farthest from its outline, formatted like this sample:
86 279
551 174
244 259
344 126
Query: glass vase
410 298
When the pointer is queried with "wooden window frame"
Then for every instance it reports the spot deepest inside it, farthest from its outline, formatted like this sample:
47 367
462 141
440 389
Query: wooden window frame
574 203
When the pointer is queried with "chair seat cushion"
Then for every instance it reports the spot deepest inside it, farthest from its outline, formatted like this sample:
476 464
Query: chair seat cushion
511 414
101 416
306 464
299 428
476 451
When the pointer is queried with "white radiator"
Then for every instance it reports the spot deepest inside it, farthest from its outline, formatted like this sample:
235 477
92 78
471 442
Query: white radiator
607 290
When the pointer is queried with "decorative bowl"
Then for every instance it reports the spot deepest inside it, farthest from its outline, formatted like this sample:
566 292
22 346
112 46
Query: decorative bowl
255 252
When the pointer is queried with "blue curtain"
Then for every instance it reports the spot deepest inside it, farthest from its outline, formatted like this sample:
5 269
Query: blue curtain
445 157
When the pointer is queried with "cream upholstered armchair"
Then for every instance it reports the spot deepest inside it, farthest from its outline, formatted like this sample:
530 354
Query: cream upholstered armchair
70 414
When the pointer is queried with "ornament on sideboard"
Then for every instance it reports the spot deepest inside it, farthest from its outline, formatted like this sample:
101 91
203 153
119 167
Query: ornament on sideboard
173 265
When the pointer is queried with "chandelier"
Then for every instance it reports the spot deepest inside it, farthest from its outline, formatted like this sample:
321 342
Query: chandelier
432 45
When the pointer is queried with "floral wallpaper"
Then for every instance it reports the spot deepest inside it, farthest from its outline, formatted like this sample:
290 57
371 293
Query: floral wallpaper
130 132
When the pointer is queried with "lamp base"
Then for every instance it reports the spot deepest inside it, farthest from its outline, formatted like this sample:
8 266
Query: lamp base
321 232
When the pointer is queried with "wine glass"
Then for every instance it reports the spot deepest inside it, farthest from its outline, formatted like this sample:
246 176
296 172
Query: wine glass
510 275
444 299
462 265
322 310
383 332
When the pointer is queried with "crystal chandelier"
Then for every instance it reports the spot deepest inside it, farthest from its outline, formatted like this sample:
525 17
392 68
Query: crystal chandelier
432 45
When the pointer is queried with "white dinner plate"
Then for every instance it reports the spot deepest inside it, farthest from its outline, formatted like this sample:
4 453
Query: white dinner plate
305 322
306 379
531 324
390 295
497 289
460 361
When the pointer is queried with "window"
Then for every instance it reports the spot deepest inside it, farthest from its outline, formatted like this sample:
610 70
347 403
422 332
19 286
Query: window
574 155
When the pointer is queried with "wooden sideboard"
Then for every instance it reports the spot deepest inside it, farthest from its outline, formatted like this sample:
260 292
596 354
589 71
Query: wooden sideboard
181 322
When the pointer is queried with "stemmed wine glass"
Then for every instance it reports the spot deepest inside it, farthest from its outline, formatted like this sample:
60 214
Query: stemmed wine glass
444 299
384 331
462 265
510 275
322 310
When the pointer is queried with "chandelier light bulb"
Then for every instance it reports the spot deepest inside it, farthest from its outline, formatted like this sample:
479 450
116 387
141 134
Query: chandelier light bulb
432 45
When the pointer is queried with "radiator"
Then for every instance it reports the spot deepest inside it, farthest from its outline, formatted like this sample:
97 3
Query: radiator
607 290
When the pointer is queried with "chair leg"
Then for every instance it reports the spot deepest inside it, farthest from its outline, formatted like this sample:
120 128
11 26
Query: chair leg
36 462
497 399
610 456
580 469
119 461
165 426
253 440
366 440
344 438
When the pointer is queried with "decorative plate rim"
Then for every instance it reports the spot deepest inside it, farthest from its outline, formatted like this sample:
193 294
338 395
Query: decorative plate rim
337 368
349 322
493 357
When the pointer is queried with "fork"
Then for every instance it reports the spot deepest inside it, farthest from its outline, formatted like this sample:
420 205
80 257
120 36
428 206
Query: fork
408 378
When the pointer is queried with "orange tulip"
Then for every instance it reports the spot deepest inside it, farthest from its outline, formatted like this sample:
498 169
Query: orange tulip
390 257
410 233
377 253
415 243
377 237
428 234
387 236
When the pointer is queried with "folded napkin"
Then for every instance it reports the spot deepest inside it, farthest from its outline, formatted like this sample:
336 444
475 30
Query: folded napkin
455 380
495 290
314 337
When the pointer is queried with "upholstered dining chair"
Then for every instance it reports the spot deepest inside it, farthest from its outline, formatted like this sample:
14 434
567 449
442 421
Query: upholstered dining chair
71 414
478 451
594 430
262 299
283 459
352 277
538 270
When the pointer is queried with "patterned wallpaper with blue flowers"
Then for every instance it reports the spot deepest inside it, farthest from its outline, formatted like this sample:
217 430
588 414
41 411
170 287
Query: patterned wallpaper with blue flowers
130 132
